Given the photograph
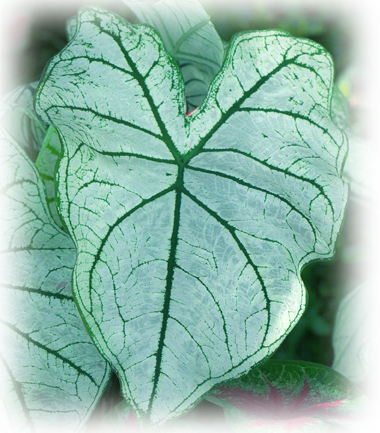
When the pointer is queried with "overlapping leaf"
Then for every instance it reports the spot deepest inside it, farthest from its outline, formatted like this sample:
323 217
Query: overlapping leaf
357 330
289 396
40 142
191 231
53 374
18 117
45 164
190 38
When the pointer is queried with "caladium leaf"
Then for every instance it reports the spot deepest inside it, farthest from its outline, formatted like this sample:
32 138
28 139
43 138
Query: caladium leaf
362 168
18 117
45 164
191 231
289 396
357 330
190 38
53 373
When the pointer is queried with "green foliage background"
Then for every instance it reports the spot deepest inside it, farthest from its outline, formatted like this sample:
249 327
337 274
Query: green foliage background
350 31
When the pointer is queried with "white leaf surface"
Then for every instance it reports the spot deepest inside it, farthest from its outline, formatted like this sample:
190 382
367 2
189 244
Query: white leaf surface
52 374
191 231
357 330
190 37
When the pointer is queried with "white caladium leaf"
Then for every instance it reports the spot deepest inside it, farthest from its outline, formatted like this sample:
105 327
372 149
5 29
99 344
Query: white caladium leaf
357 330
45 164
292 396
53 375
18 117
191 231
190 38
362 168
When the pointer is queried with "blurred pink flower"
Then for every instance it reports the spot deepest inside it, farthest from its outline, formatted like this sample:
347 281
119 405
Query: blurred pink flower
15 29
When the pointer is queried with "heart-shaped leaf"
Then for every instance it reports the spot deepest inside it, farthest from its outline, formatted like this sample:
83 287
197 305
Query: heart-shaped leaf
357 330
289 396
190 38
53 374
191 231
362 168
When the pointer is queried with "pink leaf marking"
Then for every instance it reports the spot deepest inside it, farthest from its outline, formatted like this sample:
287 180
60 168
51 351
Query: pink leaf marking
190 112
187 115
281 407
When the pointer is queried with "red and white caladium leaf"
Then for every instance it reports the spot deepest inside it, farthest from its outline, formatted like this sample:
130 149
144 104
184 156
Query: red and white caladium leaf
357 330
291 396
190 37
191 231
52 374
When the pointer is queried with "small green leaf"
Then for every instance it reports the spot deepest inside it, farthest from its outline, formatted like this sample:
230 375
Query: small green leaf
19 119
357 330
289 396
53 374
362 168
190 37
191 231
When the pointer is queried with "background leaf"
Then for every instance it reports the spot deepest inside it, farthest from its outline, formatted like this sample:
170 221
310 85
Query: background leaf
191 231
289 396
18 117
53 376
362 168
190 38
357 330
45 164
